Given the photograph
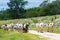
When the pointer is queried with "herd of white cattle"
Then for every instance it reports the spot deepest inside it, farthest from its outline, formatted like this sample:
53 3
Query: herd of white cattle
15 27
24 27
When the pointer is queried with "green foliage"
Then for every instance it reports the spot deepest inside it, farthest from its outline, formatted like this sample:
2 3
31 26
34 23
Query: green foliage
4 15
34 20
53 8
44 3
16 8
33 12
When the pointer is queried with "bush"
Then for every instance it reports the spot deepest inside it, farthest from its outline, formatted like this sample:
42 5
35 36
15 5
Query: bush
34 20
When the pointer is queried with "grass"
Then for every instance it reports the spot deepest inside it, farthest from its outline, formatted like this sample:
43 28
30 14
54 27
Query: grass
5 35
32 28
57 30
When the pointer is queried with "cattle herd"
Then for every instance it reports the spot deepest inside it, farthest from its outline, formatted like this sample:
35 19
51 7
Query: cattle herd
40 27
15 27
24 27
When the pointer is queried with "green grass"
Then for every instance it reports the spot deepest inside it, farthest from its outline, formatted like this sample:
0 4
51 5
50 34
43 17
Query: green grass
32 28
5 35
57 30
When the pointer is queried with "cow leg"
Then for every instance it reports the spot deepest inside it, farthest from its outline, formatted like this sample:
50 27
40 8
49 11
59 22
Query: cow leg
41 29
38 29
51 29
48 29
24 30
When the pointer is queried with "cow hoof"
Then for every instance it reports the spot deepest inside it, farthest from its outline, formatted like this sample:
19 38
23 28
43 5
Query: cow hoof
38 31
41 32
47 31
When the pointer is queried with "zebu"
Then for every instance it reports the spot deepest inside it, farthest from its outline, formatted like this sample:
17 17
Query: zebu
39 27
8 27
50 27
18 27
25 27
4 27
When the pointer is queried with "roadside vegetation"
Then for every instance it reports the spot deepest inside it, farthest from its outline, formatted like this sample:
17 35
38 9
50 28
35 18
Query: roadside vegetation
5 35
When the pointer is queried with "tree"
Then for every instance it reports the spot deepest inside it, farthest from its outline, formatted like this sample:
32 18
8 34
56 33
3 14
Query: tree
16 8
53 8
50 8
44 3
32 12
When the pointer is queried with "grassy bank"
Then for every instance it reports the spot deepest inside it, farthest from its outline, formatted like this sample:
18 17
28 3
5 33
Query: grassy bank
5 35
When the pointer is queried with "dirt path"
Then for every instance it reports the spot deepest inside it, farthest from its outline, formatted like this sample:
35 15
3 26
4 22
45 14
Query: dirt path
51 36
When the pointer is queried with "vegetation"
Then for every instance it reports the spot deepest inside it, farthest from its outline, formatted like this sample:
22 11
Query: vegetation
34 20
16 9
43 13
5 35
46 19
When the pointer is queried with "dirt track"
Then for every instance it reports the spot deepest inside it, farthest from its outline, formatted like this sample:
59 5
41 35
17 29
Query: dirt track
50 36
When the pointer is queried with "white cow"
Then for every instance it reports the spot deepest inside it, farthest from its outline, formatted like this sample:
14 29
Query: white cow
4 27
19 27
8 27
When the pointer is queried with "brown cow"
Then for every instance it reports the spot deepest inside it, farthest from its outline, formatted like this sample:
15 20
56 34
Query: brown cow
50 27
39 27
